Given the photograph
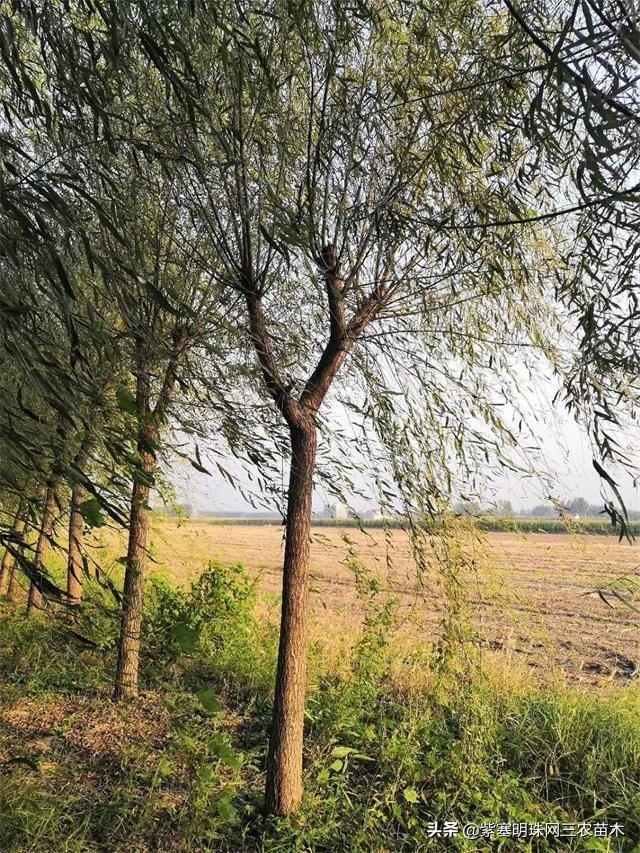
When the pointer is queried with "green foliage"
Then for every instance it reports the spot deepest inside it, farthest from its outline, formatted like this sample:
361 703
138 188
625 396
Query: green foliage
126 401
37 658
224 592
91 512
213 618
384 755
486 753
589 526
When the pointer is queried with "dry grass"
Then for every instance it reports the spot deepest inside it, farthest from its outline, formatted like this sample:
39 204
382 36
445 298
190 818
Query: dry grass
531 597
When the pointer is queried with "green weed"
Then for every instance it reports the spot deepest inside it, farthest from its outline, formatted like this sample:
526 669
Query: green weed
182 767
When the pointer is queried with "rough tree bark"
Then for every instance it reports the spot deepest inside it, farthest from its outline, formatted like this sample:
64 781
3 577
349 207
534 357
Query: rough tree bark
46 529
8 560
284 761
151 420
284 778
131 622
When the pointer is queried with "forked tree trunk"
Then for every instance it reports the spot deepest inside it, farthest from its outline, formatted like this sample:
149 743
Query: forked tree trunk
284 762
8 560
76 532
46 529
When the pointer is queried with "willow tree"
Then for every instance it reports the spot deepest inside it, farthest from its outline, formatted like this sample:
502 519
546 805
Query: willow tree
341 174
51 345
34 322
342 162
56 357
162 305
93 105
36 413
161 337
48 432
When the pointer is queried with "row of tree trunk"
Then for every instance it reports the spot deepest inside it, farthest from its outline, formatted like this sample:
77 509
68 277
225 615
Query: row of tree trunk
285 753
284 765
17 544
150 419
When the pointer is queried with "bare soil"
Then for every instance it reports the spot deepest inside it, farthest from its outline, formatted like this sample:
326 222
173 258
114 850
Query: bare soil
533 597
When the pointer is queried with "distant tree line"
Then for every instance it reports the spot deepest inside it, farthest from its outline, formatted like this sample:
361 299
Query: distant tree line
577 506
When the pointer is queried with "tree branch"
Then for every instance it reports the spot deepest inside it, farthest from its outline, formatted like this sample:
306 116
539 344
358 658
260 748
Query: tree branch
587 84
335 353
266 358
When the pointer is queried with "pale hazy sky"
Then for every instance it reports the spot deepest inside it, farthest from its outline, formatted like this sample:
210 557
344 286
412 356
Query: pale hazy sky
564 465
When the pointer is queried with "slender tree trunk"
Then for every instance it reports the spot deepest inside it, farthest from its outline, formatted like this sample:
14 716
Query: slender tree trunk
131 623
150 422
14 586
76 533
284 762
12 593
78 495
46 529
8 560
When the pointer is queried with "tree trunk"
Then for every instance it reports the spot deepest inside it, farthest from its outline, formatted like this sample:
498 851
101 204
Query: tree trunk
14 586
46 529
284 762
76 521
76 532
8 560
12 593
150 421
131 623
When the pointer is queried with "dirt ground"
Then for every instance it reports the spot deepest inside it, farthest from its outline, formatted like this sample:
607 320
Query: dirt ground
531 597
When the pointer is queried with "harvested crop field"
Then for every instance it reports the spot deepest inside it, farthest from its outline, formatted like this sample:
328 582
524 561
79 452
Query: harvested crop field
532 598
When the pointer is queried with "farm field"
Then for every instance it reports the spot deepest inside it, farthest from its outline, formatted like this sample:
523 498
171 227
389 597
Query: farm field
531 597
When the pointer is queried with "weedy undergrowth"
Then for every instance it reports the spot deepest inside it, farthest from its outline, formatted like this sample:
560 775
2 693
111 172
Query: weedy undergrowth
181 768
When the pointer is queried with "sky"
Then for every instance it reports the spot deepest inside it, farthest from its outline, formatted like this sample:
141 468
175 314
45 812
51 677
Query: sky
562 467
